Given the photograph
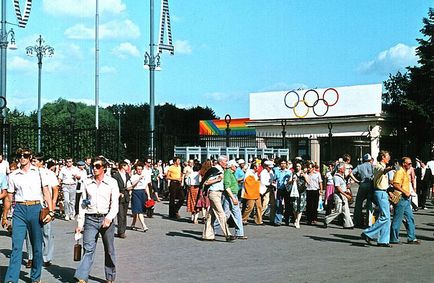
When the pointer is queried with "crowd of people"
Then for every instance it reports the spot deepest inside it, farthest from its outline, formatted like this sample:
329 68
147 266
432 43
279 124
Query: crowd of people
222 194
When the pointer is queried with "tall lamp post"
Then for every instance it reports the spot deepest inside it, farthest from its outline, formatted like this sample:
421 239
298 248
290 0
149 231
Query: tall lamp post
228 120
152 62
4 44
283 123
40 50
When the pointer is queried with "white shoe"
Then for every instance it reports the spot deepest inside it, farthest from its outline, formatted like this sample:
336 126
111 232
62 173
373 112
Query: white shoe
67 217
297 225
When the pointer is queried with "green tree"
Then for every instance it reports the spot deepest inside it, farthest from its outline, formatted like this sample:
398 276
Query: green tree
410 97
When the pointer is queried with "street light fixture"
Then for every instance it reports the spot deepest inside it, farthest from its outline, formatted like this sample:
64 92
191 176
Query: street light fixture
40 50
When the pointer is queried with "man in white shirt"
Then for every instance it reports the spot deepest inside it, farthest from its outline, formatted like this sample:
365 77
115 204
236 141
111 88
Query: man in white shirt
68 177
4 165
98 207
267 190
53 185
29 188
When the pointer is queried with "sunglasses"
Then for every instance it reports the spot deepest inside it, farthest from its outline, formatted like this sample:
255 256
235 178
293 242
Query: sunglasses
97 166
24 155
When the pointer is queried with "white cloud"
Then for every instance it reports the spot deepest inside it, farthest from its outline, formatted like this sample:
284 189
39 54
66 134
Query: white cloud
182 47
390 61
82 8
216 96
284 86
126 49
108 70
20 64
118 29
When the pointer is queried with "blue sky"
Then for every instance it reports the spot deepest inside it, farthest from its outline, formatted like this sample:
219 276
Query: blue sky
223 49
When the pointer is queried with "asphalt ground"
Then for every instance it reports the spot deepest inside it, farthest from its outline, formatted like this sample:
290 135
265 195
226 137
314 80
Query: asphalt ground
172 251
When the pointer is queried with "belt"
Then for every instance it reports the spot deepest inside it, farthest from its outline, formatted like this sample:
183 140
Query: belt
96 214
29 202
174 181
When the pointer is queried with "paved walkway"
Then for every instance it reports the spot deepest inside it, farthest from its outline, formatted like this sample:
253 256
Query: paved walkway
172 251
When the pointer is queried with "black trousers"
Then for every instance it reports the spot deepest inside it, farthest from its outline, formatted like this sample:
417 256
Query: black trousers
422 192
122 215
175 192
312 197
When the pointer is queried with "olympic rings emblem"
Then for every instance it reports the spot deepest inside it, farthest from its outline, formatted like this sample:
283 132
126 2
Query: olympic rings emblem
311 100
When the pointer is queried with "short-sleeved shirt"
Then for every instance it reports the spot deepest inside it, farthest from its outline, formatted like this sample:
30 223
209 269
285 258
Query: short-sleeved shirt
401 178
239 174
282 177
27 185
365 172
340 182
174 172
219 186
67 175
381 181
315 181
230 181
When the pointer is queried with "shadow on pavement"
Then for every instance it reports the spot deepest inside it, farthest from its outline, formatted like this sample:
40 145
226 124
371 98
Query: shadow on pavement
66 274
324 239
186 235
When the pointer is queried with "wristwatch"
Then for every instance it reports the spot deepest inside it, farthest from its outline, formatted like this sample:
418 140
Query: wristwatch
51 213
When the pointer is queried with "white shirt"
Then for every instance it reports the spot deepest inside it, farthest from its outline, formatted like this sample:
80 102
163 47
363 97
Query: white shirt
430 165
265 178
218 187
143 180
103 198
27 185
4 167
315 180
83 176
66 175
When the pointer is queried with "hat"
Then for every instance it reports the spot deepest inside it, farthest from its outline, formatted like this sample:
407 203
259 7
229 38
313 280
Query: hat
269 163
367 157
148 160
171 162
127 161
241 161
232 163
81 163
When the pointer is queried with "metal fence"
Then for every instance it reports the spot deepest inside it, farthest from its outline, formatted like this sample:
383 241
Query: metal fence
80 142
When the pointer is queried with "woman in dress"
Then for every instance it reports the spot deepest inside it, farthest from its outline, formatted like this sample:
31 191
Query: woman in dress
330 188
140 194
202 203
300 178
193 182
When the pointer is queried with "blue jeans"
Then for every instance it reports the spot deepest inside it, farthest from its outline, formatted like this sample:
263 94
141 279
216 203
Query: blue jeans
92 226
48 242
25 219
230 208
403 208
381 228
282 197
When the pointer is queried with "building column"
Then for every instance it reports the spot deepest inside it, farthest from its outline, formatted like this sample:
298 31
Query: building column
314 150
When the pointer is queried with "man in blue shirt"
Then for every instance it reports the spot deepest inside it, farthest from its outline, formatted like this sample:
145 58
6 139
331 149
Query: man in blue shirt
282 176
365 175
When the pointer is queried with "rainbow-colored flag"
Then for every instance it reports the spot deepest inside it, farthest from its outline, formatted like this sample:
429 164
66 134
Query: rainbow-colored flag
218 127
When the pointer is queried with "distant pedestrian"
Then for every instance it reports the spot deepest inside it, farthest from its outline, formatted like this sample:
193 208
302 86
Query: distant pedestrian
174 175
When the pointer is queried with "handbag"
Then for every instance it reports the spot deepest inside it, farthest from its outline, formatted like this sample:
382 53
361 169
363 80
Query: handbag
294 191
44 212
320 205
149 203
394 196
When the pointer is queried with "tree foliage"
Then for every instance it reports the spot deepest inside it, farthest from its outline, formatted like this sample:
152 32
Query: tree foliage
410 96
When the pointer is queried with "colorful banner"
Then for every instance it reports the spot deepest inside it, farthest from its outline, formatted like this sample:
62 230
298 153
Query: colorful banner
218 127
